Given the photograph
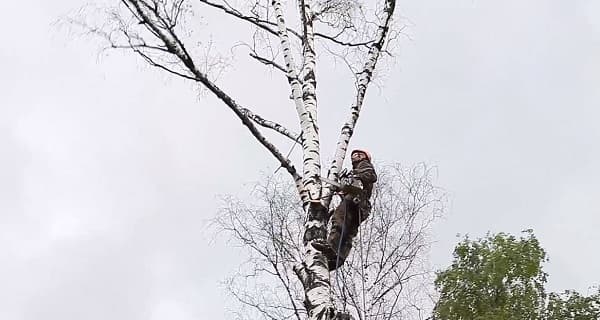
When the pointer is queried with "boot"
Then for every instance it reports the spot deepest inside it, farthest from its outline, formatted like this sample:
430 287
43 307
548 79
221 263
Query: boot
325 248
364 210
343 316
327 251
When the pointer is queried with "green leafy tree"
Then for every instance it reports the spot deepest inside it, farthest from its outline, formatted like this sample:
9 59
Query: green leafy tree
497 277
572 305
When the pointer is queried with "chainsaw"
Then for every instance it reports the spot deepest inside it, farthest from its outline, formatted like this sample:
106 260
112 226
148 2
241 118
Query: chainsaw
353 187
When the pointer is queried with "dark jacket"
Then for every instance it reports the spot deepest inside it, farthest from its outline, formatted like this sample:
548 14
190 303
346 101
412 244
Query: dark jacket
363 170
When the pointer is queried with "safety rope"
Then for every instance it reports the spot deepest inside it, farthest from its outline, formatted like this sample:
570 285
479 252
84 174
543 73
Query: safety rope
337 255
362 263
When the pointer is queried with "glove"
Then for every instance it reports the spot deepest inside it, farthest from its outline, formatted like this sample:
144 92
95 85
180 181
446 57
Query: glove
344 173
345 181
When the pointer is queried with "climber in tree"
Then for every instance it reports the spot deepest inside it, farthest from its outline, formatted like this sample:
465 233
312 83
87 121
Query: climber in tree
354 209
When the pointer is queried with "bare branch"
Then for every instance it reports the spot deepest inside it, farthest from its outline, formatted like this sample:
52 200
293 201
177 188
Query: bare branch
271 125
266 25
158 65
262 24
343 43
268 62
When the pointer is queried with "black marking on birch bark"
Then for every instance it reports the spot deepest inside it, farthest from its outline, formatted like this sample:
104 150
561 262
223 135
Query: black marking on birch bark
308 95
314 233
308 159
348 130
316 212
309 306
309 76
313 279
315 128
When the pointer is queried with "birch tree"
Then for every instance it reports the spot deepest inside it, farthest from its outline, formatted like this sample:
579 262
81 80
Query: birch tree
353 30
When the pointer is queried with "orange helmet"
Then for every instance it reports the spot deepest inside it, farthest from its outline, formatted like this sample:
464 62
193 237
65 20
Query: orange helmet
365 152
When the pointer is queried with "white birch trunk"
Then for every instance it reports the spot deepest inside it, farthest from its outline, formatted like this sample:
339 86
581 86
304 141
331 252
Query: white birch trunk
310 137
313 271
312 160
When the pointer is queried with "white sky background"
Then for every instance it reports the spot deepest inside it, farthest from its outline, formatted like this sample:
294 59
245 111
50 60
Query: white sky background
109 169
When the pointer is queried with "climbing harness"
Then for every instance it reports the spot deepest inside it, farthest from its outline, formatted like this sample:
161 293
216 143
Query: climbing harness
362 263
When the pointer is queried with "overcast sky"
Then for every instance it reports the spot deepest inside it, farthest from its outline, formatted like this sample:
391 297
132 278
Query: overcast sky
109 170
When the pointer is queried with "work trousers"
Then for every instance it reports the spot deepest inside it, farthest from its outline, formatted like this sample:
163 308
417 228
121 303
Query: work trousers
344 227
